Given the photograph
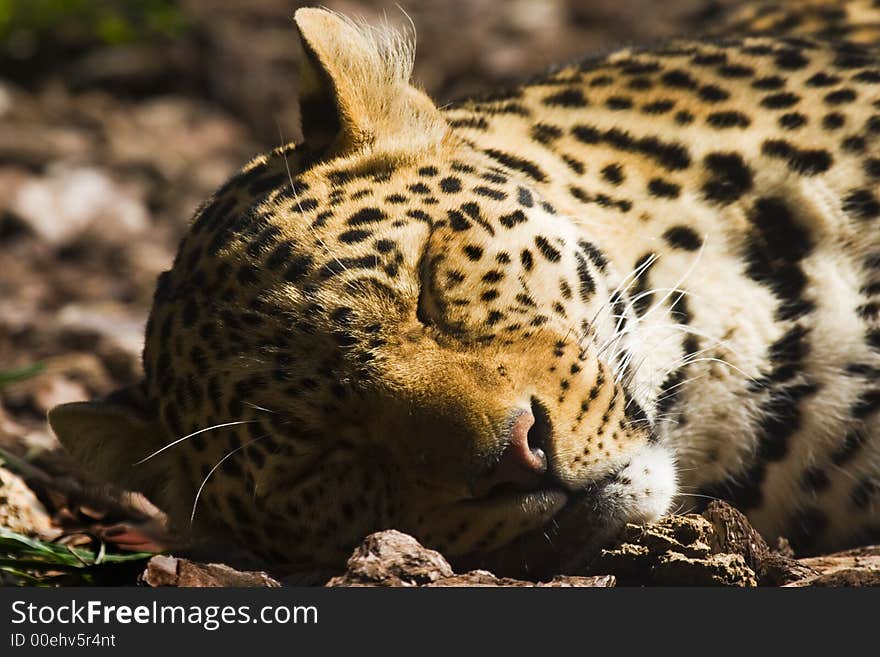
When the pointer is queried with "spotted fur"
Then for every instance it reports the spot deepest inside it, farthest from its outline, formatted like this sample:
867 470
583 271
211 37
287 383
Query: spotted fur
668 257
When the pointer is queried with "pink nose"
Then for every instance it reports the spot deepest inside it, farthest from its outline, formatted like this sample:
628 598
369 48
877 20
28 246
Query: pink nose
520 463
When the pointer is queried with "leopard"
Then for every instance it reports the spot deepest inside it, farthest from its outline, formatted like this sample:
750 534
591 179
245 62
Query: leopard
513 324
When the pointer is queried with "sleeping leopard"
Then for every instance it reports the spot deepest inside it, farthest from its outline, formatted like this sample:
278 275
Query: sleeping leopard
511 325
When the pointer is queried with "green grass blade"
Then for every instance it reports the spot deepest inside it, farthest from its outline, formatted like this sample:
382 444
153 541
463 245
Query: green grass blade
20 373
26 561
16 548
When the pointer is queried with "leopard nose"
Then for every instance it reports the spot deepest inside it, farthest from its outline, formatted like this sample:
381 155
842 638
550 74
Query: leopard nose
523 461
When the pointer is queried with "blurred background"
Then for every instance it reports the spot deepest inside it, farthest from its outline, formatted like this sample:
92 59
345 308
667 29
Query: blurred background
118 117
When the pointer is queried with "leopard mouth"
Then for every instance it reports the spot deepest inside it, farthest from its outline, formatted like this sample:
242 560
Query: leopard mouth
562 526
534 503
579 523
546 495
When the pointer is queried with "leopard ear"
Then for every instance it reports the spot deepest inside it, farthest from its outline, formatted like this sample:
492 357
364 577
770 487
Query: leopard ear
108 438
355 87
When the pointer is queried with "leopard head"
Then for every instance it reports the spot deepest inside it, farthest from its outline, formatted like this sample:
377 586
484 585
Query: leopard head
384 326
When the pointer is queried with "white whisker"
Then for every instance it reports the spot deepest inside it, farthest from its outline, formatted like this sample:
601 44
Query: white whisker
260 408
219 463
188 436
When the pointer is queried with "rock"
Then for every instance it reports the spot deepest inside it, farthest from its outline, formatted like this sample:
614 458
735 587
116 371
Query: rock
60 379
191 574
392 558
109 330
6 99
478 578
112 321
571 581
62 205
482 578
20 510
778 570
57 390
859 576
12 179
674 569
721 548
131 67
37 145
732 533
161 571
193 134
164 570
628 561
688 534
674 551
859 567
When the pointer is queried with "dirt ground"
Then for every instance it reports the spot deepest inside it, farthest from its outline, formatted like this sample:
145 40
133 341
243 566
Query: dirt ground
107 148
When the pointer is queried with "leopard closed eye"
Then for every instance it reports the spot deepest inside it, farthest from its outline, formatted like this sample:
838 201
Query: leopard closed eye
511 325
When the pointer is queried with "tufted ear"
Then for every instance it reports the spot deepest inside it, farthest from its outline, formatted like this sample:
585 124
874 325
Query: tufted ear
108 437
355 88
